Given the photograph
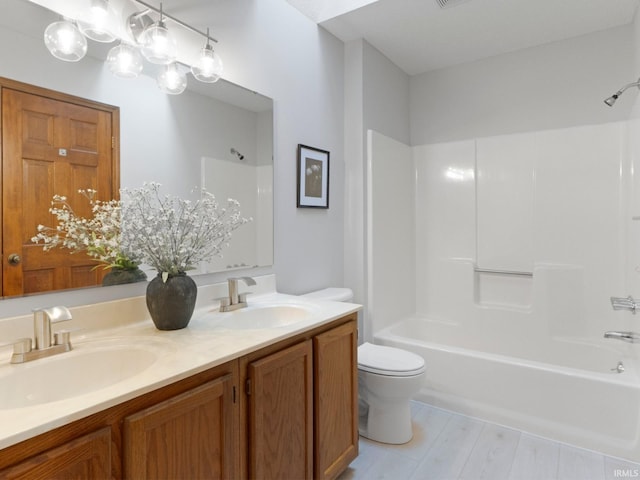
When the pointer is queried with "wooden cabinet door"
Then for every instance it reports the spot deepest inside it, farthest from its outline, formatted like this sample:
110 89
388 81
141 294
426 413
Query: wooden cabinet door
280 414
50 146
335 400
86 457
193 435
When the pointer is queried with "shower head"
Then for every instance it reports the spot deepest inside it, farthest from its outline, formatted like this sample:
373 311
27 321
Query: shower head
613 98
237 153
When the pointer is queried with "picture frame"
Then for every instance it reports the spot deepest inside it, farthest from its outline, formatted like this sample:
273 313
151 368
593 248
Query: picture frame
313 177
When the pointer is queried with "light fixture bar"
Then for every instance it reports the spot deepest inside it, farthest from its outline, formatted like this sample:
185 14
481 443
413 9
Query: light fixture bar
174 19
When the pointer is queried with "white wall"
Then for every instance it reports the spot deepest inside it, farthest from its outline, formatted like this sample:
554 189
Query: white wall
391 239
355 262
377 99
386 95
270 47
555 85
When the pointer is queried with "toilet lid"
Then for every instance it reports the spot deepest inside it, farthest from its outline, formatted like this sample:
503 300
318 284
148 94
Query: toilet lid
389 361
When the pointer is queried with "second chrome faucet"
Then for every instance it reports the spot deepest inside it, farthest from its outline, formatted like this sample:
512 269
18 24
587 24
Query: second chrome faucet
235 300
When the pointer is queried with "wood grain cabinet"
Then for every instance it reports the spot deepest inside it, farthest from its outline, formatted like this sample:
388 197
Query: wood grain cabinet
280 388
192 435
302 406
295 417
88 456
335 400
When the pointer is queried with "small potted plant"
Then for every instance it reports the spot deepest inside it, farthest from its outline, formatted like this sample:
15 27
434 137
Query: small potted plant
98 236
174 235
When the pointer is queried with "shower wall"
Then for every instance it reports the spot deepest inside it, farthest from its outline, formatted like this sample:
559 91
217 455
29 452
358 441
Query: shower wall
503 221
524 234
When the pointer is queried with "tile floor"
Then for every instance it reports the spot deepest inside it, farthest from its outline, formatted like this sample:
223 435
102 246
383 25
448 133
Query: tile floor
447 446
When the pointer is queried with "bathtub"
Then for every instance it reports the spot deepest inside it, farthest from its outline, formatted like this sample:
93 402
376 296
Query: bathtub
572 392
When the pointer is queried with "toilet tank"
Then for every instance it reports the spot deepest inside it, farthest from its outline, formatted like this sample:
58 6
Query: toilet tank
332 293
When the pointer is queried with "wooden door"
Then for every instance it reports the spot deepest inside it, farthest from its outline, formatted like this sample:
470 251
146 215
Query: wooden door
86 457
280 415
193 435
335 400
51 146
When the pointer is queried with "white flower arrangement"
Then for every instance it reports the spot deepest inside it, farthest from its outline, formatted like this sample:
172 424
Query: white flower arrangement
172 234
99 236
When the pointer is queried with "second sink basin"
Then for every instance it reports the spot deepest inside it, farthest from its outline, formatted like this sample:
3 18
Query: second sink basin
85 369
263 316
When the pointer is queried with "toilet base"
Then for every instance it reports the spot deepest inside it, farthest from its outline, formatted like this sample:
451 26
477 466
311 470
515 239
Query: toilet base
388 423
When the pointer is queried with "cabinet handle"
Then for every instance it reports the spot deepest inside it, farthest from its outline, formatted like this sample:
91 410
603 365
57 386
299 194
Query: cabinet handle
14 259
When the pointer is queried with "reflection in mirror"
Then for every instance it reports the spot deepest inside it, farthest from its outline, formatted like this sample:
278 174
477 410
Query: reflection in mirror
181 142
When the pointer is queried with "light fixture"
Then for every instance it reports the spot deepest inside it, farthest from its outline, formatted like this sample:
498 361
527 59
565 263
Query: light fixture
208 68
146 38
124 61
96 23
65 41
172 79
158 45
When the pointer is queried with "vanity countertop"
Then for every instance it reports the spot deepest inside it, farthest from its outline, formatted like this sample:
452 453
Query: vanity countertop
205 343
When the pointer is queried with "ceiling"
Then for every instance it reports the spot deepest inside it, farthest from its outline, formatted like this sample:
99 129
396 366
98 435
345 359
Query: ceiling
419 35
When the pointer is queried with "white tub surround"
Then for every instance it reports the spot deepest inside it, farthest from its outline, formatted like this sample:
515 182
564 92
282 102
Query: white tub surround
209 340
518 242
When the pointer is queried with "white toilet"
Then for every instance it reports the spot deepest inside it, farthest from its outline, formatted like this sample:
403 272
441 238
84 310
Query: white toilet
387 378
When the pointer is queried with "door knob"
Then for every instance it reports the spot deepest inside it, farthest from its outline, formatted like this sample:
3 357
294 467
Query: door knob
14 259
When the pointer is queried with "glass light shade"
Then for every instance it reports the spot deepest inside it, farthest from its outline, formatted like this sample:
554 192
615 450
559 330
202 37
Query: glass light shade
96 22
172 80
158 45
125 61
65 42
209 67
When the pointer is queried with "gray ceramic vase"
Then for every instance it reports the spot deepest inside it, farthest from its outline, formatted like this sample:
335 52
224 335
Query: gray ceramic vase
171 303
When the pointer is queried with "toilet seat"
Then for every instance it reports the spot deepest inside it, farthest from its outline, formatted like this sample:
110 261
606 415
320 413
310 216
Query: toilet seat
389 361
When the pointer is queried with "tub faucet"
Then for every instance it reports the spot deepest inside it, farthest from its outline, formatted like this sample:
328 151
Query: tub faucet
628 303
630 337
43 343
235 300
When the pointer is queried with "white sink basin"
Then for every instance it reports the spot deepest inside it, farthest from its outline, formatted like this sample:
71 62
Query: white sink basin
256 317
85 369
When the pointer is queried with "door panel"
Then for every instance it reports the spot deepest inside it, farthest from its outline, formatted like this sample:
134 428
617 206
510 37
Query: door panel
51 146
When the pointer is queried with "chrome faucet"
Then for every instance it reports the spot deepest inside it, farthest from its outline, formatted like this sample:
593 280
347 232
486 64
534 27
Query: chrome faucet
630 337
628 303
43 344
235 300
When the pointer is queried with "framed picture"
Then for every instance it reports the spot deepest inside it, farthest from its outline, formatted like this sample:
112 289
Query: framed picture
313 177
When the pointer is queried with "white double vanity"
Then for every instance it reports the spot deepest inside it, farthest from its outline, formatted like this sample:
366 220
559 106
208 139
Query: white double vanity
261 391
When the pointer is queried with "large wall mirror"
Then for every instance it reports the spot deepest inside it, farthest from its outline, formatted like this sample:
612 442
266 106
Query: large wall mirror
218 135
